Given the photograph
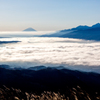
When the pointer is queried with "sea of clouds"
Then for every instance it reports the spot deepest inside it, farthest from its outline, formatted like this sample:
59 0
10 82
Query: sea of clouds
35 51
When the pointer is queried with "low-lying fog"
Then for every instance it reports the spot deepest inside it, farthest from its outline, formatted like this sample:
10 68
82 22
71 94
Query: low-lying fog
34 51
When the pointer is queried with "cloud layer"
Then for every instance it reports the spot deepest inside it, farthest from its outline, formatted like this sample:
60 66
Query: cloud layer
78 54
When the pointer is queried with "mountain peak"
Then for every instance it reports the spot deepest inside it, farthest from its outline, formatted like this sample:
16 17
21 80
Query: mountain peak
29 29
82 27
96 25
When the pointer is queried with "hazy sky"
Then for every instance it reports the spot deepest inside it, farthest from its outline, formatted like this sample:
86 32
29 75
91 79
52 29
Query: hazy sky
47 15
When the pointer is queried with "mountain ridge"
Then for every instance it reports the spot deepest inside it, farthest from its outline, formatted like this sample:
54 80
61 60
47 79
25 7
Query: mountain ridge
80 32
62 81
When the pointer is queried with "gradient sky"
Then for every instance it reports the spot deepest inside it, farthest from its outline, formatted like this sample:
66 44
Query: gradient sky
47 15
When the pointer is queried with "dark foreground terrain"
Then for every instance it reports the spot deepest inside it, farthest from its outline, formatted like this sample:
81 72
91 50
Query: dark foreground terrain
48 84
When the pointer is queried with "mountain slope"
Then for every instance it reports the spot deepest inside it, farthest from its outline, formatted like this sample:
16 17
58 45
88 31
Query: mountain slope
49 80
89 34
80 32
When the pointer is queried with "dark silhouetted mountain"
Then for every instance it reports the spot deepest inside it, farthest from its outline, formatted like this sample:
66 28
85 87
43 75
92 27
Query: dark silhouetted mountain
29 29
49 79
80 32
36 68
5 66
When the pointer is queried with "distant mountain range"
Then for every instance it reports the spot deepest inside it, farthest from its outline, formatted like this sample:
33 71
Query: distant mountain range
80 32
29 29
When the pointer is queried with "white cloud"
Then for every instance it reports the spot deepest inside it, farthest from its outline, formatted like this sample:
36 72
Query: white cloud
51 51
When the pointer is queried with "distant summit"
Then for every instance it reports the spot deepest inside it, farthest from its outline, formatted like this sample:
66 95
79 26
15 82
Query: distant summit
29 29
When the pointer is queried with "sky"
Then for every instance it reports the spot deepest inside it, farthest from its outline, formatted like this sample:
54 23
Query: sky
47 15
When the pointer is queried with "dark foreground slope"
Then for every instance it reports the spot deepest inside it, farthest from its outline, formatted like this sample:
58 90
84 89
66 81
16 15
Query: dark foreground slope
64 81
